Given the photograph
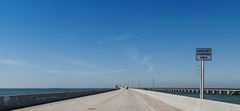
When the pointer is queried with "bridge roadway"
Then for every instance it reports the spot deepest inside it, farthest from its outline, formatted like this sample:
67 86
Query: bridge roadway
120 100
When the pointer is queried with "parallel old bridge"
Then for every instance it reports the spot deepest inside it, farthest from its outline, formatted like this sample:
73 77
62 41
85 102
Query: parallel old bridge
228 91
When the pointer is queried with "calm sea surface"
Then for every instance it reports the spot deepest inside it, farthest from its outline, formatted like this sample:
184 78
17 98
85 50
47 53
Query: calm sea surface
21 91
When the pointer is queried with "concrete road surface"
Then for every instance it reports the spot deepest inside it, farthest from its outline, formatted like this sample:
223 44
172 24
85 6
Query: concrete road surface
120 100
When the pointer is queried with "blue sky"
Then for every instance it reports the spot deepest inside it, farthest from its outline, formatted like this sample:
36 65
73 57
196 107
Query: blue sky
92 43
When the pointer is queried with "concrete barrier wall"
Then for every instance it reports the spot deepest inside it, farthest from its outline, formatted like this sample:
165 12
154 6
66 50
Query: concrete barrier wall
190 104
13 102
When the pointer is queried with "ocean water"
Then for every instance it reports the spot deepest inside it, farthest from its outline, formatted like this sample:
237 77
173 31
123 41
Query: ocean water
28 91
235 99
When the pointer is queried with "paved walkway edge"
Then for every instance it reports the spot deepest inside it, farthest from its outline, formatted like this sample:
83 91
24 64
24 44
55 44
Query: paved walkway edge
190 104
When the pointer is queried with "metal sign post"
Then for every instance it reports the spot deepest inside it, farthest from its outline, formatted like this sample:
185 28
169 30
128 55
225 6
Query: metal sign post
202 55
202 80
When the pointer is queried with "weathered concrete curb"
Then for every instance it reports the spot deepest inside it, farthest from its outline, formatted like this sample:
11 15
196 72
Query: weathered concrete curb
13 102
190 104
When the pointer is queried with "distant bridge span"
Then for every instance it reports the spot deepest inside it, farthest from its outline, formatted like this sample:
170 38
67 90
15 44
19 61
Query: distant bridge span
228 91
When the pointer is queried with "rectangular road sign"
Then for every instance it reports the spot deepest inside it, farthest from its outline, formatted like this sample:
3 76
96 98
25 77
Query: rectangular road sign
203 54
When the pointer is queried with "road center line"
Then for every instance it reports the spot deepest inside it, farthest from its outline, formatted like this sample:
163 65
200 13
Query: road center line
149 106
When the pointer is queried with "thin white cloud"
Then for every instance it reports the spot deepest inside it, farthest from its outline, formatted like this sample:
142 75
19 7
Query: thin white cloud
54 71
2 49
144 60
99 73
122 37
9 62
76 62
84 64
17 63
86 73
103 72
85 69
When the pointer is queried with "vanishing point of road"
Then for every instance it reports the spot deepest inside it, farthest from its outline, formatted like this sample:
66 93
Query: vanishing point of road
120 100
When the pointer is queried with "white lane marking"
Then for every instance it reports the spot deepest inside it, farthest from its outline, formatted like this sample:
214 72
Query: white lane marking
152 109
